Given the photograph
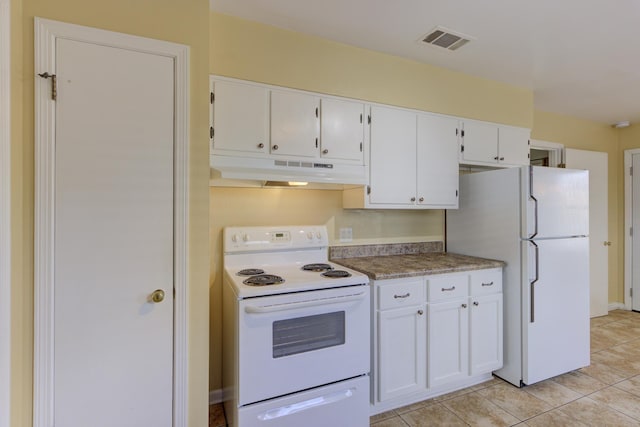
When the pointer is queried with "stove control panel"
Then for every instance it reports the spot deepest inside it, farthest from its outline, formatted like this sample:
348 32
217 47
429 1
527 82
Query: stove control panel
249 239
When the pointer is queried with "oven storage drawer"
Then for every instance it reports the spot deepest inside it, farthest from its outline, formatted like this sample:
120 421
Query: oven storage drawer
298 341
341 404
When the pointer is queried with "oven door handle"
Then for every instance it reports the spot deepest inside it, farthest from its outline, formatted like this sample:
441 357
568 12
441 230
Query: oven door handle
252 309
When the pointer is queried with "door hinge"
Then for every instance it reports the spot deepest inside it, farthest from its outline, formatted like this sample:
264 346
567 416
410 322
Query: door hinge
368 190
54 84
631 292
212 97
211 132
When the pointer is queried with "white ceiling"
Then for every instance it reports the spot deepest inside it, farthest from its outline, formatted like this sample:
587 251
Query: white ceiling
580 57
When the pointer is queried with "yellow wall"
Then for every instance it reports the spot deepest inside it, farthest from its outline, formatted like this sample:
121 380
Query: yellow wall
252 51
587 135
181 21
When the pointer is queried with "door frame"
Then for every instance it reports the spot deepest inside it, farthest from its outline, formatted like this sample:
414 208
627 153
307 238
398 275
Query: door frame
5 212
556 151
628 241
46 33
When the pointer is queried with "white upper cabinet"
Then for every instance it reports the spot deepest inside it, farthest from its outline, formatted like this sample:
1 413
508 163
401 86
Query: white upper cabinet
489 144
437 157
295 124
393 157
240 117
342 129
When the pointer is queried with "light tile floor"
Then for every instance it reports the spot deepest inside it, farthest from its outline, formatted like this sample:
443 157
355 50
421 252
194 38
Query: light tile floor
607 393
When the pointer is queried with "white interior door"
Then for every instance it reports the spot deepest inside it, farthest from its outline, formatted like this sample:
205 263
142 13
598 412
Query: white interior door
596 163
113 237
635 238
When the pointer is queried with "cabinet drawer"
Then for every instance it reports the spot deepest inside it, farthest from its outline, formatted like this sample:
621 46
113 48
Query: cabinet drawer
447 286
400 293
486 281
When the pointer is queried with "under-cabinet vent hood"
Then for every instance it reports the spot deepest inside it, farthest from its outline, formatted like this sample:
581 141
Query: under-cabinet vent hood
269 169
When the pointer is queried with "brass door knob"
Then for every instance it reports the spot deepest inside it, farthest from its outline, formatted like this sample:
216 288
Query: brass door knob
157 296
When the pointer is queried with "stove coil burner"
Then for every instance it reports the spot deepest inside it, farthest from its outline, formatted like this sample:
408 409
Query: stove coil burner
263 280
335 274
250 272
317 267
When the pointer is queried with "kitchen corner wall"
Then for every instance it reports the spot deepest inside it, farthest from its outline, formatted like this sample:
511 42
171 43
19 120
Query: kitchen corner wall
179 21
261 53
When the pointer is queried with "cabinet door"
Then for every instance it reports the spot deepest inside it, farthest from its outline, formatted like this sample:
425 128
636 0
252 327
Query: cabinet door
437 154
486 333
448 341
480 143
295 124
342 130
401 351
393 156
513 146
240 117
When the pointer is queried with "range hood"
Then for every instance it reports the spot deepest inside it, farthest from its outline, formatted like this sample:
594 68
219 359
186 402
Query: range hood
270 169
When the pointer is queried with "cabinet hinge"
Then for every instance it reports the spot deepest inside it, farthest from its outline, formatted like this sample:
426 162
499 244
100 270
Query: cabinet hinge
368 190
212 97
528 142
54 84
462 132
211 132
360 117
528 156
457 131
317 112
369 119
462 148
456 193
361 147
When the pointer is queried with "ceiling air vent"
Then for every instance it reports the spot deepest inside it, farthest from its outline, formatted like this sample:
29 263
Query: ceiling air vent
445 38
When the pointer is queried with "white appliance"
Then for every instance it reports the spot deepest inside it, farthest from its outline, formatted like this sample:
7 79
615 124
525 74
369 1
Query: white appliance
296 333
537 220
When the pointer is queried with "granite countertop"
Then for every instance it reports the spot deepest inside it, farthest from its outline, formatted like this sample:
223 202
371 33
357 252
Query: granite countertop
380 267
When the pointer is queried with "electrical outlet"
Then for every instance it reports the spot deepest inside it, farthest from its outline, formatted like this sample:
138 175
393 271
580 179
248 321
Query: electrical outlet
346 234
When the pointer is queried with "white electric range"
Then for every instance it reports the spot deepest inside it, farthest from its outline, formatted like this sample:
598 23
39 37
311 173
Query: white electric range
296 331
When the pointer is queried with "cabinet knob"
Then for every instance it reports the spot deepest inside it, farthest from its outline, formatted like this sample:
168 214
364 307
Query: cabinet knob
261 145
325 151
495 158
420 312
413 199
275 147
501 158
476 303
464 305
421 199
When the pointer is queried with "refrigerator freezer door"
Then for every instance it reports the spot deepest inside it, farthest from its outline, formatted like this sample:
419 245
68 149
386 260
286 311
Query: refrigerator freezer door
556 202
555 307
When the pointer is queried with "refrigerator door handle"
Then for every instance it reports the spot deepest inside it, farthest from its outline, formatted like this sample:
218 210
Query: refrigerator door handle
533 282
535 204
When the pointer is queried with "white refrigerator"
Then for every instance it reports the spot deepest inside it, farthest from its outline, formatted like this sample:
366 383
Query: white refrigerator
536 219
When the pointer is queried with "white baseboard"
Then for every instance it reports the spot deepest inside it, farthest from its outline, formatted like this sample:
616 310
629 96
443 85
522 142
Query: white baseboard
616 306
215 396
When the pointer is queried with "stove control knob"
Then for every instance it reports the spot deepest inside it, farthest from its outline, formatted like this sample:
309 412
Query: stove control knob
234 238
319 235
246 238
310 235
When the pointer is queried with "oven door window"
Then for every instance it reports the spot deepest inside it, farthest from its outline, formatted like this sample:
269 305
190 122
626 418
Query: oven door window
308 333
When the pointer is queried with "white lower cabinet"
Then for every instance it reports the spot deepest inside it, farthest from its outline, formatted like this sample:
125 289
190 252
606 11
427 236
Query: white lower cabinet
434 334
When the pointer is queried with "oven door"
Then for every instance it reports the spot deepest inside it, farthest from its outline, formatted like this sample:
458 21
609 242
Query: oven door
293 342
